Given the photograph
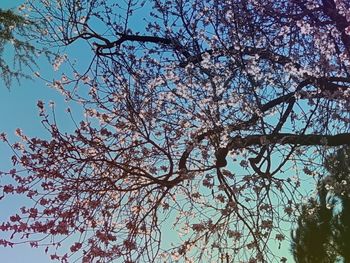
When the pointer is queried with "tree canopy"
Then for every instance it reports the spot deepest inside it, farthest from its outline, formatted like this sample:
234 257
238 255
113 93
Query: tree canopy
202 119
16 33
323 231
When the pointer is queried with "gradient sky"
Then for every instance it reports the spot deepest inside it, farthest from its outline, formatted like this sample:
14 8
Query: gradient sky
18 110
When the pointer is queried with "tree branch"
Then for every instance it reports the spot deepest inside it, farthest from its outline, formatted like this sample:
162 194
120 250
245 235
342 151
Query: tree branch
325 84
143 39
250 51
288 138
341 23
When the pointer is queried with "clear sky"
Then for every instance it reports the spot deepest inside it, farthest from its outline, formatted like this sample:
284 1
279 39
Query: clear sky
18 110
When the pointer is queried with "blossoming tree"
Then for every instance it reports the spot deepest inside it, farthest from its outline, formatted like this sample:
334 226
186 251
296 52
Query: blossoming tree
201 116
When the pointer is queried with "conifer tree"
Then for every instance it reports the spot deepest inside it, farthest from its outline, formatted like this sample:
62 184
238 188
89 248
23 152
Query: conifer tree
323 232
16 48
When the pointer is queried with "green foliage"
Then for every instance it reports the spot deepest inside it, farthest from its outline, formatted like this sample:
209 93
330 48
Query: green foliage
311 240
323 232
16 50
